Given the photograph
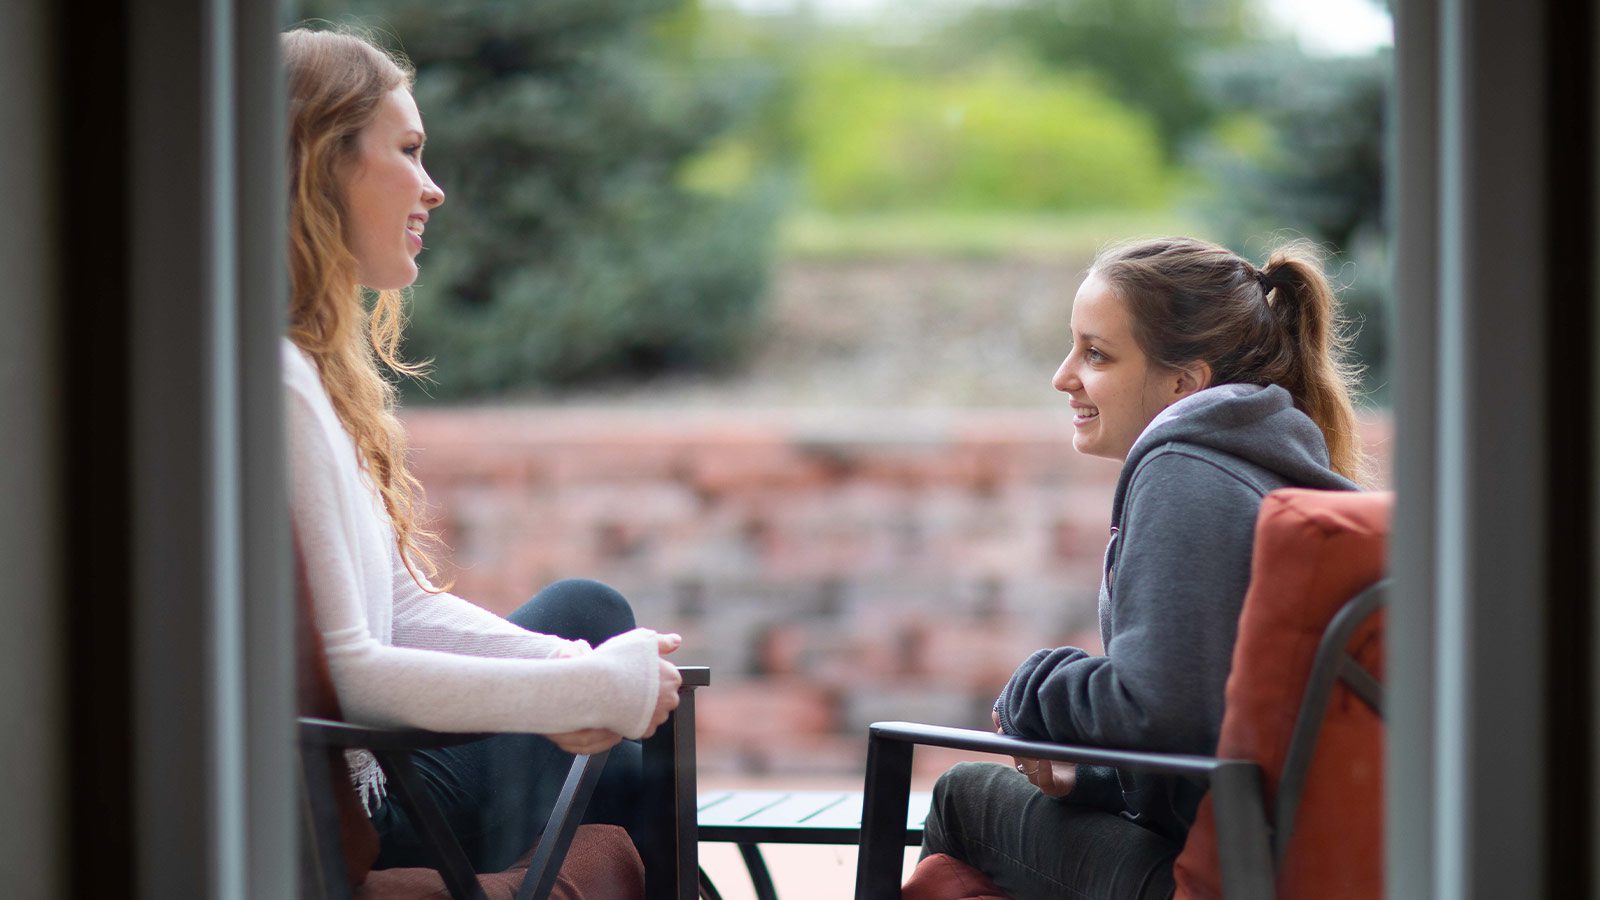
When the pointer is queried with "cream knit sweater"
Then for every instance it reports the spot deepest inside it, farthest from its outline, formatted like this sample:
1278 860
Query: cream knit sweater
402 656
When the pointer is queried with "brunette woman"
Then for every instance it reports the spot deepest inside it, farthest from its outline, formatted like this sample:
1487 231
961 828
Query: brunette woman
1214 381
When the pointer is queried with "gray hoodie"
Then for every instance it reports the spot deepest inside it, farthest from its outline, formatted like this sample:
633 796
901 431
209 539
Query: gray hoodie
1176 571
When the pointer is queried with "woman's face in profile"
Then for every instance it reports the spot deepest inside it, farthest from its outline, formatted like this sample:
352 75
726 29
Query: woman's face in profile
388 195
1114 389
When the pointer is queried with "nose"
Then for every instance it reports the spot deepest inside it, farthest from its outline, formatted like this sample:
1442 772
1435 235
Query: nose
1066 379
432 194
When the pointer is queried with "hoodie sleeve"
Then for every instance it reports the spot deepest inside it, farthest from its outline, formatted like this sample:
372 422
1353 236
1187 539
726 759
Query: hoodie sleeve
1176 590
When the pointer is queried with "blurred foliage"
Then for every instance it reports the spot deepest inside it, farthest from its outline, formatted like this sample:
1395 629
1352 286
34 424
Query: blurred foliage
617 168
1144 51
1299 152
576 242
996 136
1302 145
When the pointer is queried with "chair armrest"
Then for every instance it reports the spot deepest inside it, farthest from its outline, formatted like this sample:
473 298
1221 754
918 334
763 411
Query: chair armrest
668 838
1243 834
329 733
1009 745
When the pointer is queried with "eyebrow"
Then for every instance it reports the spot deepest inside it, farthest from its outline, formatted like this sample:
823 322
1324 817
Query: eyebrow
422 136
1094 338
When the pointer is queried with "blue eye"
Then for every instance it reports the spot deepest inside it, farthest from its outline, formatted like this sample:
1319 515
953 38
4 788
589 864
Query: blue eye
1094 355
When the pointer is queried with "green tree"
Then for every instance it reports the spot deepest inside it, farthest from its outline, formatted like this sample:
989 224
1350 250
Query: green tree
572 246
1300 151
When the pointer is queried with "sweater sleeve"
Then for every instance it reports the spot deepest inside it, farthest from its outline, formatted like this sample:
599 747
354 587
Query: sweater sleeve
614 687
1179 582
443 621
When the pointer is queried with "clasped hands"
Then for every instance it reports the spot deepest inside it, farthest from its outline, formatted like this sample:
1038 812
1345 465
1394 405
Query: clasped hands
587 741
1053 780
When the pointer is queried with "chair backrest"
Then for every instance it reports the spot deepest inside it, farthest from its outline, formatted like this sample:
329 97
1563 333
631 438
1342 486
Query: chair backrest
1314 552
358 840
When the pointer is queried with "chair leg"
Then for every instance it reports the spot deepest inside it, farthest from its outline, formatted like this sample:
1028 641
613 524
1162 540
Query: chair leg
760 878
1244 842
883 819
448 858
322 871
562 825
708 891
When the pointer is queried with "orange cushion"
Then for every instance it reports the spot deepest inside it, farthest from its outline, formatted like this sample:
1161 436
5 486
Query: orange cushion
1314 551
601 864
942 877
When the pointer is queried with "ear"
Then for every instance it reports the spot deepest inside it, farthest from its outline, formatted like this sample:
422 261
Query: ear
1194 377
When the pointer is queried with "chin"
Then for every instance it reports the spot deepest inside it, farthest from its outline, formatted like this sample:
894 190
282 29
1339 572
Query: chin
392 281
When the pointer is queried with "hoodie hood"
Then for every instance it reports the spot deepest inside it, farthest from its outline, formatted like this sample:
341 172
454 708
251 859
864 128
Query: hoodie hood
1250 422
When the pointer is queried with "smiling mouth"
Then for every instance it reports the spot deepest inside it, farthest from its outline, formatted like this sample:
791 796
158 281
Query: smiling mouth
1085 412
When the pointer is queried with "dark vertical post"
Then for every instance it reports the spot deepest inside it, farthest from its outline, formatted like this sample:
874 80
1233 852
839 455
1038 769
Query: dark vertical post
1413 204
267 595
33 649
1569 115
883 818
180 396
92 58
1494 482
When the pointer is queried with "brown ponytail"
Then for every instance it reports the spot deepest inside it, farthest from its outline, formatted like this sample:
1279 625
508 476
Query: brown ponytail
1320 379
1192 300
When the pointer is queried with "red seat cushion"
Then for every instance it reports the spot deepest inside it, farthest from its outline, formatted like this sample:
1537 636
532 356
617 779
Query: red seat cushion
942 877
1314 551
601 864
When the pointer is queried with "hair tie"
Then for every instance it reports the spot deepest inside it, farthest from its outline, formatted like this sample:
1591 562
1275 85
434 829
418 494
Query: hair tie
1269 283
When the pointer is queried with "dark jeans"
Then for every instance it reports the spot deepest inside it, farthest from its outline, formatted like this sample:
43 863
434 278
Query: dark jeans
497 793
1038 848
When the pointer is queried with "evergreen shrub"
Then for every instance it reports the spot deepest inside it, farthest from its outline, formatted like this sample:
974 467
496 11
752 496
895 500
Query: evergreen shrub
571 247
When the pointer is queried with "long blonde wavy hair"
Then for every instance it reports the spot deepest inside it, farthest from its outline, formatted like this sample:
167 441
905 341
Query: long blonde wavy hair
337 80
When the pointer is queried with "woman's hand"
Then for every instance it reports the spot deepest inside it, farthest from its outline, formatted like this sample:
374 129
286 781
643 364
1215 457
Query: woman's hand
667 697
585 741
1052 779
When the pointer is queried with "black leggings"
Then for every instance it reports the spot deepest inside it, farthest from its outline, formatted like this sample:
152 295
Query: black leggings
497 793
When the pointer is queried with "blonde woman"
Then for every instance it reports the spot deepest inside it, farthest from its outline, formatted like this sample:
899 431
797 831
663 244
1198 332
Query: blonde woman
569 672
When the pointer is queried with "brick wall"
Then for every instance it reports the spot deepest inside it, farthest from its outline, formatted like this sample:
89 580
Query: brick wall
833 568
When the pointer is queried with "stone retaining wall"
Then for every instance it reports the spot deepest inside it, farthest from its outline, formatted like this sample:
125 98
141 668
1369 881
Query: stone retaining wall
833 568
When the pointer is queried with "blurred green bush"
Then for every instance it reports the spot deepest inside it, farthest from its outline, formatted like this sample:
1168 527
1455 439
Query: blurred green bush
573 246
1145 52
1000 136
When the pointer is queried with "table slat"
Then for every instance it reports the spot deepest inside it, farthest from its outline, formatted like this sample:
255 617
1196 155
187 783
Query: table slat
810 817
